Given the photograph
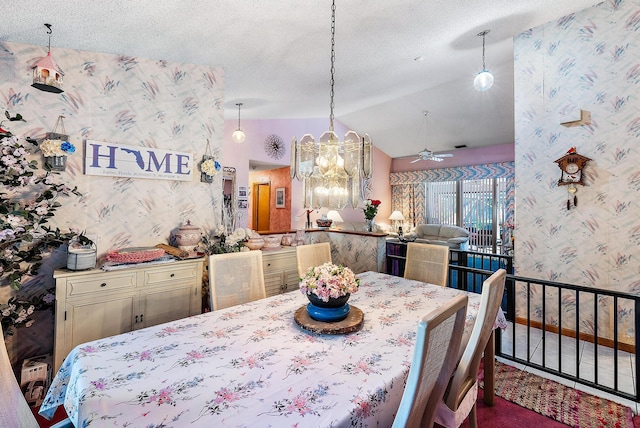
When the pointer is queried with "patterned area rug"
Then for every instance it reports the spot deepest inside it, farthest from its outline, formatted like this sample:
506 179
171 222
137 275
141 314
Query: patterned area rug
556 401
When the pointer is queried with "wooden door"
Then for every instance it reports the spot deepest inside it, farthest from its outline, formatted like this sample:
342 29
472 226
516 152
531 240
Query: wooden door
261 203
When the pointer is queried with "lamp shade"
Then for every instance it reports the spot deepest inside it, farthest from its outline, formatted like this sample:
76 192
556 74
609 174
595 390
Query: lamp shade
335 216
396 215
238 136
483 81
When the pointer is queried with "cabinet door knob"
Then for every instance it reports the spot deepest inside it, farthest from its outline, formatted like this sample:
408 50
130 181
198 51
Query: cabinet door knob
141 317
136 322
268 264
172 275
104 284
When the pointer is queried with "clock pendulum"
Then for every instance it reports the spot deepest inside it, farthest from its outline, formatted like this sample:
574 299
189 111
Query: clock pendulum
572 192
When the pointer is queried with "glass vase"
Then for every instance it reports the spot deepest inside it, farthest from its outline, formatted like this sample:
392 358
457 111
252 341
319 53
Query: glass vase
371 225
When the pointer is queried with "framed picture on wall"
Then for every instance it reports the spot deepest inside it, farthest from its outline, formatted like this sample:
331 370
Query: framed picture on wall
242 204
242 192
280 197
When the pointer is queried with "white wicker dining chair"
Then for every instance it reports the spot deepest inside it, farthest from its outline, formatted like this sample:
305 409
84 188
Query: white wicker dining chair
434 359
235 278
427 263
462 393
312 255
14 410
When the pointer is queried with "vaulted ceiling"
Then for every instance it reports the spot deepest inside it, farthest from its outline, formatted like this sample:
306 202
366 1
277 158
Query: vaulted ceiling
393 59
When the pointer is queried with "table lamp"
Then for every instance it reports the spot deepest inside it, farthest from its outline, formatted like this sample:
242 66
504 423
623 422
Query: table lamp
397 216
335 216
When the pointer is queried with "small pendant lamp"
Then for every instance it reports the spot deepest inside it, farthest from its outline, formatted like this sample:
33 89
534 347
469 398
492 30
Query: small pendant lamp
238 136
47 76
484 79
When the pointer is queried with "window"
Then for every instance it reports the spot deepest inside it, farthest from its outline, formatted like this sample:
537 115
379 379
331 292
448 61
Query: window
477 205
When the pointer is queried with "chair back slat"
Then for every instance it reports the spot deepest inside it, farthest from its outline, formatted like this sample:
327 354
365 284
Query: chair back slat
235 278
434 359
312 255
427 263
467 371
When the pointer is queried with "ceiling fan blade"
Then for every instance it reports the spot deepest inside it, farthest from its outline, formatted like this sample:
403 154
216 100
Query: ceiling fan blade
445 155
416 160
433 158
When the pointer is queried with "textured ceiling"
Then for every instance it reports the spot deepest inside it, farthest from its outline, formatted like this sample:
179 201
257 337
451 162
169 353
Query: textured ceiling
276 56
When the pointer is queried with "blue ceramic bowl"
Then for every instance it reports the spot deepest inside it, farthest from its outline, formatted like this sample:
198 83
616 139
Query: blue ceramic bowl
328 314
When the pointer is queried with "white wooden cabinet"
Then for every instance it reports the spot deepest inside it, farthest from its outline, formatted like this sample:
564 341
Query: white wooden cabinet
94 304
280 269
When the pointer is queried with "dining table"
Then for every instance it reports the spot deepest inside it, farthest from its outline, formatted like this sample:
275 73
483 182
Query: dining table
253 365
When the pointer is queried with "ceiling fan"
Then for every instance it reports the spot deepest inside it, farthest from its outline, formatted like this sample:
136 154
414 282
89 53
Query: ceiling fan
427 154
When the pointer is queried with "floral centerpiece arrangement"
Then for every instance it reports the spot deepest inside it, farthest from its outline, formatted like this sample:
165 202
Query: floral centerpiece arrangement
329 281
56 148
371 208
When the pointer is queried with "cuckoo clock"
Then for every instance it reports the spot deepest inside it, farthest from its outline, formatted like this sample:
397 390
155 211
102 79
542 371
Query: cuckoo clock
571 166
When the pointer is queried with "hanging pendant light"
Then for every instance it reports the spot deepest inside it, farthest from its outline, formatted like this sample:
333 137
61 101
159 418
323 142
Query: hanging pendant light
484 79
331 169
47 76
238 136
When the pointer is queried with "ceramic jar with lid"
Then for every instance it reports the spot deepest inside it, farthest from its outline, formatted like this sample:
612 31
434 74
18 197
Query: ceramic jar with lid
187 236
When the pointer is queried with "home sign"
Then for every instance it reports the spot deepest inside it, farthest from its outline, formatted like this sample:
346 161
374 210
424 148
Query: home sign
117 160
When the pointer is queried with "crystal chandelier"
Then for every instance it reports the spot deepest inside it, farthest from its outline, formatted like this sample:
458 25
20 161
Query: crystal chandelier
331 170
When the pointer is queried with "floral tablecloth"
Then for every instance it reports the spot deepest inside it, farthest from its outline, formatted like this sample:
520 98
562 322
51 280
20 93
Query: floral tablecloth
252 366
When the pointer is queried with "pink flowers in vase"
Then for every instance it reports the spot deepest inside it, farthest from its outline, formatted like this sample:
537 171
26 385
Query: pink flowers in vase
329 281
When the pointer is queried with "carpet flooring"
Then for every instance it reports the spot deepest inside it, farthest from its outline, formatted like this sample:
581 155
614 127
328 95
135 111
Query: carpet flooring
558 402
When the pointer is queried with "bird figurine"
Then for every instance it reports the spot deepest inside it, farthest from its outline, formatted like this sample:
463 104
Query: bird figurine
17 117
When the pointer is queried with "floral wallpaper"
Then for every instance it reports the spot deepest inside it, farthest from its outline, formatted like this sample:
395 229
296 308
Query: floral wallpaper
125 100
587 60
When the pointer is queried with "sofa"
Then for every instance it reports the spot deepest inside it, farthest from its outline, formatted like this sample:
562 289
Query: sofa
441 234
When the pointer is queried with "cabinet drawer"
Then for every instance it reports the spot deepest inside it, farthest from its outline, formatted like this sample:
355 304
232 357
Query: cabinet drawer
107 283
279 262
175 273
